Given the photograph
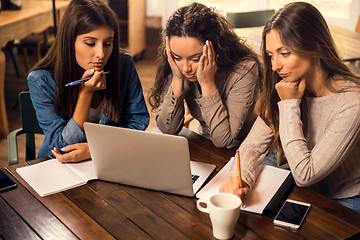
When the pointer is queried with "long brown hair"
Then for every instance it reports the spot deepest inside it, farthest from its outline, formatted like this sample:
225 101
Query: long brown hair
302 29
203 23
80 17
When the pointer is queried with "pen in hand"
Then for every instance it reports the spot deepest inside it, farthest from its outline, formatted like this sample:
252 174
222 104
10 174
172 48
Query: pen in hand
239 168
82 80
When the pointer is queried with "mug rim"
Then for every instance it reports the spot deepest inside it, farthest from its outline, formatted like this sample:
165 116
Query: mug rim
233 196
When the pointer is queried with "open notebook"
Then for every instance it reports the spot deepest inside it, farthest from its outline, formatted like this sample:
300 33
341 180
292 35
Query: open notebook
269 192
51 176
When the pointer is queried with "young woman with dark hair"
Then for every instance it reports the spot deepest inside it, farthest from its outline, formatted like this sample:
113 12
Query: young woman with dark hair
203 62
309 109
87 44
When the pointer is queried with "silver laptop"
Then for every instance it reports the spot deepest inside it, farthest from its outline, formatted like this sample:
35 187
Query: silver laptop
145 159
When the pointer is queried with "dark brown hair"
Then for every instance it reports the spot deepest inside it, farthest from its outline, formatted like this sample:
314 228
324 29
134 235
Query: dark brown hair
80 17
303 30
203 23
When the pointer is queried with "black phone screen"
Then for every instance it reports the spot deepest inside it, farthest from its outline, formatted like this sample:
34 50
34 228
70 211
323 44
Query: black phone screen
292 213
6 182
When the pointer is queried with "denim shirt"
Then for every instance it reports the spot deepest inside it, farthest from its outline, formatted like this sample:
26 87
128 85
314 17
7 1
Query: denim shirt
60 131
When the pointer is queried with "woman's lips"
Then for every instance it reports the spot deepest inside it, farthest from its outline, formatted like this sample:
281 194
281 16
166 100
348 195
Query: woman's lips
189 75
97 64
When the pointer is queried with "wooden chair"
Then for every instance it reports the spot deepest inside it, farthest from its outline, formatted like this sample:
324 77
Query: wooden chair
249 19
32 42
357 28
30 127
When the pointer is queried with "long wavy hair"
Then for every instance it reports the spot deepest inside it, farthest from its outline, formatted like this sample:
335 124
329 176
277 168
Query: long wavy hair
203 23
80 17
303 30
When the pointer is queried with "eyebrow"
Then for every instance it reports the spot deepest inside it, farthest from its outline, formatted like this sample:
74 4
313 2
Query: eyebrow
194 55
277 50
93 38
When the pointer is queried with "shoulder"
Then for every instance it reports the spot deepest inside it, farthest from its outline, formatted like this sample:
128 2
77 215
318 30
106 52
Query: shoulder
40 74
42 78
246 66
126 58
244 71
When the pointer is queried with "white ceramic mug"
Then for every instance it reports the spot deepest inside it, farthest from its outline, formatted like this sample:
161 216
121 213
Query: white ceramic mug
224 211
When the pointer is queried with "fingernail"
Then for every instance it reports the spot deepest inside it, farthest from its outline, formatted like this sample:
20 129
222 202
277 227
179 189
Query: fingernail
63 149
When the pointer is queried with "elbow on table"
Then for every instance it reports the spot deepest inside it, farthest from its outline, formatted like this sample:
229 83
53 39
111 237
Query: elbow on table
222 144
303 181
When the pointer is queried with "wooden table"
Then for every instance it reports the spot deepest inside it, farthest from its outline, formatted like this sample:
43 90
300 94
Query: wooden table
347 41
103 210
34 17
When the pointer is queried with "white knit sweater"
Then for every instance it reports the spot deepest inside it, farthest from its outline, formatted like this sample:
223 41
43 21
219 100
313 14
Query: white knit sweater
324 157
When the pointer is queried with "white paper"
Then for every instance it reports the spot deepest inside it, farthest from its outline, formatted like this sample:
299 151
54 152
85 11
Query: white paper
267 184
51 176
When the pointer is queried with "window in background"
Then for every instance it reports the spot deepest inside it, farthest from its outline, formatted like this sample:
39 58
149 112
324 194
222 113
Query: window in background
343 13
330 9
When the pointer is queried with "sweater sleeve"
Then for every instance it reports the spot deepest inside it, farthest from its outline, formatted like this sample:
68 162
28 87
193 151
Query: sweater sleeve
310 166
254 149
226 117
170 116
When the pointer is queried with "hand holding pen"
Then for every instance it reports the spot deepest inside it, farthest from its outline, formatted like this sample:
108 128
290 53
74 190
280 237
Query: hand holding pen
83 80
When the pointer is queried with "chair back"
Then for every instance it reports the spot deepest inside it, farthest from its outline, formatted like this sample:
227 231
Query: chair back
28 116
250 19
30 127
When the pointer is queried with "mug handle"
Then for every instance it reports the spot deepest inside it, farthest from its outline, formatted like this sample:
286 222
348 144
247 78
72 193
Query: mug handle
203 209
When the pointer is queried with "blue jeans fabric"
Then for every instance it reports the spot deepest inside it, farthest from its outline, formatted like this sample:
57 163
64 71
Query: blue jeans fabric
351 202
60 131
271 159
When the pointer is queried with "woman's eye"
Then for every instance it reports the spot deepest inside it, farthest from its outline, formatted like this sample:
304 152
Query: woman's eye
196 60
177 59
90 44
285 54
107 44
270 56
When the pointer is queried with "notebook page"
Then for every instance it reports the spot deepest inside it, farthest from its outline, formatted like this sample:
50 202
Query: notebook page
85 169
50 177
214 184
267 184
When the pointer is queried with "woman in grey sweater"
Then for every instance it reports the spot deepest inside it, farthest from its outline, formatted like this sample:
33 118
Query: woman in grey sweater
308 110
204 63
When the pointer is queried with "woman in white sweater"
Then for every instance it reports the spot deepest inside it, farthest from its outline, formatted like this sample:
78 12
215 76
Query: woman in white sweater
308 110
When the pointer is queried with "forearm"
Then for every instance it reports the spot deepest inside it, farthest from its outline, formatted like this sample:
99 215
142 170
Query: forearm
81 112
313 159
170 116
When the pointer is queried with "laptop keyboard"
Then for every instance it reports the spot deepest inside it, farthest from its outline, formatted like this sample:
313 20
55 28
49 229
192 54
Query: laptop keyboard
194 178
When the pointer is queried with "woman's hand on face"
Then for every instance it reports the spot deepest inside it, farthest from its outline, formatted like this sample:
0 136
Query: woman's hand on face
96 83
75 153
291 90
231 185
206 69
177 84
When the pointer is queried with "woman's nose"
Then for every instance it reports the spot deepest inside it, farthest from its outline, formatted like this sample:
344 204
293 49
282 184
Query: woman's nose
99 52
186 66
276 64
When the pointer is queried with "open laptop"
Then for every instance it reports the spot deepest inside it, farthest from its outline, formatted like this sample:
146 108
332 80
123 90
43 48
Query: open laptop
145 159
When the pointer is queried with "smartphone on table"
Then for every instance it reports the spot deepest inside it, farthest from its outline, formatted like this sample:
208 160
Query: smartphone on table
292 214
6 183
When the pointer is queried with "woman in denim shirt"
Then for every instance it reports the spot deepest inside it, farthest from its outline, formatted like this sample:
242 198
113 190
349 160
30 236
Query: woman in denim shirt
87 44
